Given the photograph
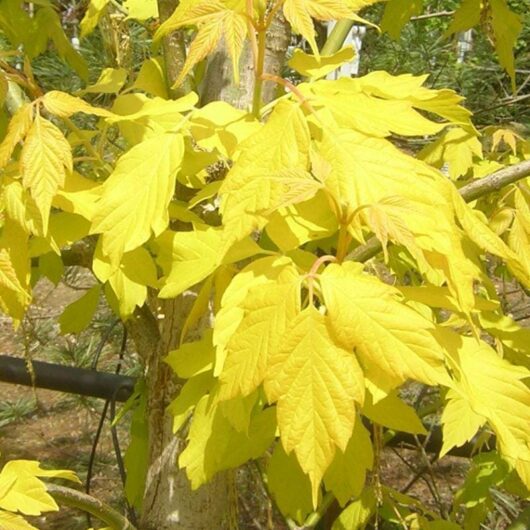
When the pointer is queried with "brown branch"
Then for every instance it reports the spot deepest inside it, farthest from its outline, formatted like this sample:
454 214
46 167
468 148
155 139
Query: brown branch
495 181
470 192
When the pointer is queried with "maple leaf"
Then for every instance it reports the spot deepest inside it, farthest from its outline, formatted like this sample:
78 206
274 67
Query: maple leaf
271 172
268 308
316 383
214 20
17 129
393 341
299 13
495 390
456 148
212 440
262 272
147 175
45 160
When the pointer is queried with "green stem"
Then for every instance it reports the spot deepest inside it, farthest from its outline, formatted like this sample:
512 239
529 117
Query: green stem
313 519
343 242
337 37
91 150
77 499
258 84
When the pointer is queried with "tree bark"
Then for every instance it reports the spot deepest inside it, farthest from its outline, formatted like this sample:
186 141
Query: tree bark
173 46
169 502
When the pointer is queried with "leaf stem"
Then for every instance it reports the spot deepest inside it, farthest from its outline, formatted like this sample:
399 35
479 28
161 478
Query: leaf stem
314 518
91 150
260 61
343 242
292 88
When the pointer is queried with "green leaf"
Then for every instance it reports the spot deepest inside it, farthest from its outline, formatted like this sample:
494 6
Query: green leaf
289 485
78 315
212 439
317 67
346 475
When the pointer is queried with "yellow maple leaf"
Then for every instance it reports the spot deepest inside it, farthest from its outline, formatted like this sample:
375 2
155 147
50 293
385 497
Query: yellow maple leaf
393 341
460 423
300 13
268 309
457 148
17 129
95 10
496 390
264 271
316 383
214 20
136 196
64 105
45 161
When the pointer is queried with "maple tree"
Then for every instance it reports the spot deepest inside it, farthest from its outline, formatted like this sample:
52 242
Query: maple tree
284 269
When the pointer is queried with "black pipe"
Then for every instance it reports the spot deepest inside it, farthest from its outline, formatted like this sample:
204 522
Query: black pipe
67 379
116 387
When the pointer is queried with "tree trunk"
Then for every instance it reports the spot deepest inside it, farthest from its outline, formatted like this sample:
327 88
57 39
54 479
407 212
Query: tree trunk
174 51
218 82
169 503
